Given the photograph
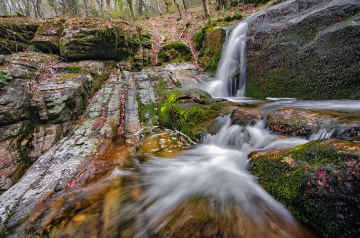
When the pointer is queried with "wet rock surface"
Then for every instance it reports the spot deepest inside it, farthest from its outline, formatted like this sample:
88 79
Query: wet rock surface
318 181
310 47
314 124
58 142
58 168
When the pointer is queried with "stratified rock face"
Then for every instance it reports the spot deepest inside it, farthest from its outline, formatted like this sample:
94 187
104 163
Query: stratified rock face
78 39
308 49
47 36
16 33
89 39
318 182
59 168
40 105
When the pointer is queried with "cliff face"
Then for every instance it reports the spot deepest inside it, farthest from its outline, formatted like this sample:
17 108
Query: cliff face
307 49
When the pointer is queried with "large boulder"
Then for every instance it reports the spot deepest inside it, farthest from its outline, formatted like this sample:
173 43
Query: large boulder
98 39
192 111
318 182
306 49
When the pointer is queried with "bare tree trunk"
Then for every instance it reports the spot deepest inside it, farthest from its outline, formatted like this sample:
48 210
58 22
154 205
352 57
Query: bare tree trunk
142 8
131 9
178 8
86 6
205 6
184 4
55 9
4 8
159 9
166 5
27 13
36 6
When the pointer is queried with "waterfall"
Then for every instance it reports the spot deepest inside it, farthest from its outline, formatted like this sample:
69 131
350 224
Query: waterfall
231 73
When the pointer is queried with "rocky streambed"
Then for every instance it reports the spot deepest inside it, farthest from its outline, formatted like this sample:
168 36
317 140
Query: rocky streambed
72 129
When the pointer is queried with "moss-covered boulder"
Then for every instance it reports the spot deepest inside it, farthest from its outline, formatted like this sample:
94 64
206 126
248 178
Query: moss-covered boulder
16 33
305 49
173 53
47 36
209 41
97 39
315 123
318 181
192 111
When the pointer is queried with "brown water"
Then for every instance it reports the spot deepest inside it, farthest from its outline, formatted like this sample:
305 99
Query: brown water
119 202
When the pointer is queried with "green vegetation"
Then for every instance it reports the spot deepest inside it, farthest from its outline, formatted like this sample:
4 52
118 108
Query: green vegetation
189 111
5 78
309 180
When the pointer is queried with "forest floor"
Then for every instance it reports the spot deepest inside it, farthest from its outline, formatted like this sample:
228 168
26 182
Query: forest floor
168 28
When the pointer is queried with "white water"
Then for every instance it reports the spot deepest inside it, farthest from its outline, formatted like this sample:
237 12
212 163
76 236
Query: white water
230 75
216 170
231 72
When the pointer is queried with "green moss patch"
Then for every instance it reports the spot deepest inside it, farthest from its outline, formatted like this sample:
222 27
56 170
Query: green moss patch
318 182
174 52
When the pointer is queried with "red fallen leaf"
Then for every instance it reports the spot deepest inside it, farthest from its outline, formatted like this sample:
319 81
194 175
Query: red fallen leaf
73 183
308 187
197 140
321 173
96 164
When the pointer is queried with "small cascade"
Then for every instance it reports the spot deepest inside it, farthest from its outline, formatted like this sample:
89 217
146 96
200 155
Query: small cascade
217 171
231 73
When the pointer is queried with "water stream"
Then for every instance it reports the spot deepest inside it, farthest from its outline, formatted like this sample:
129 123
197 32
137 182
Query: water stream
231 72
170 187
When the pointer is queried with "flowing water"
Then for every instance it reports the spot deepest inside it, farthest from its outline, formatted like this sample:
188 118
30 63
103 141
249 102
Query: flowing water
170 186
231 72
173 187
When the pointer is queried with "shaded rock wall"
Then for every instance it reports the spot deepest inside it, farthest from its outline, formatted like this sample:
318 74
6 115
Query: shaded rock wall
306 49
16 33
78 39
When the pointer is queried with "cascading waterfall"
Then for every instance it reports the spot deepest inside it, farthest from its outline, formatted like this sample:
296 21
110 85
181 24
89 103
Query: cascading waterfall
218 171
231 73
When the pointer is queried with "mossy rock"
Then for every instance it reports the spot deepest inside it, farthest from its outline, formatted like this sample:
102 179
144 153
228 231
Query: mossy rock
47 36
315 55
209 41
98 39
318 182
175 52
16 33
191 111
